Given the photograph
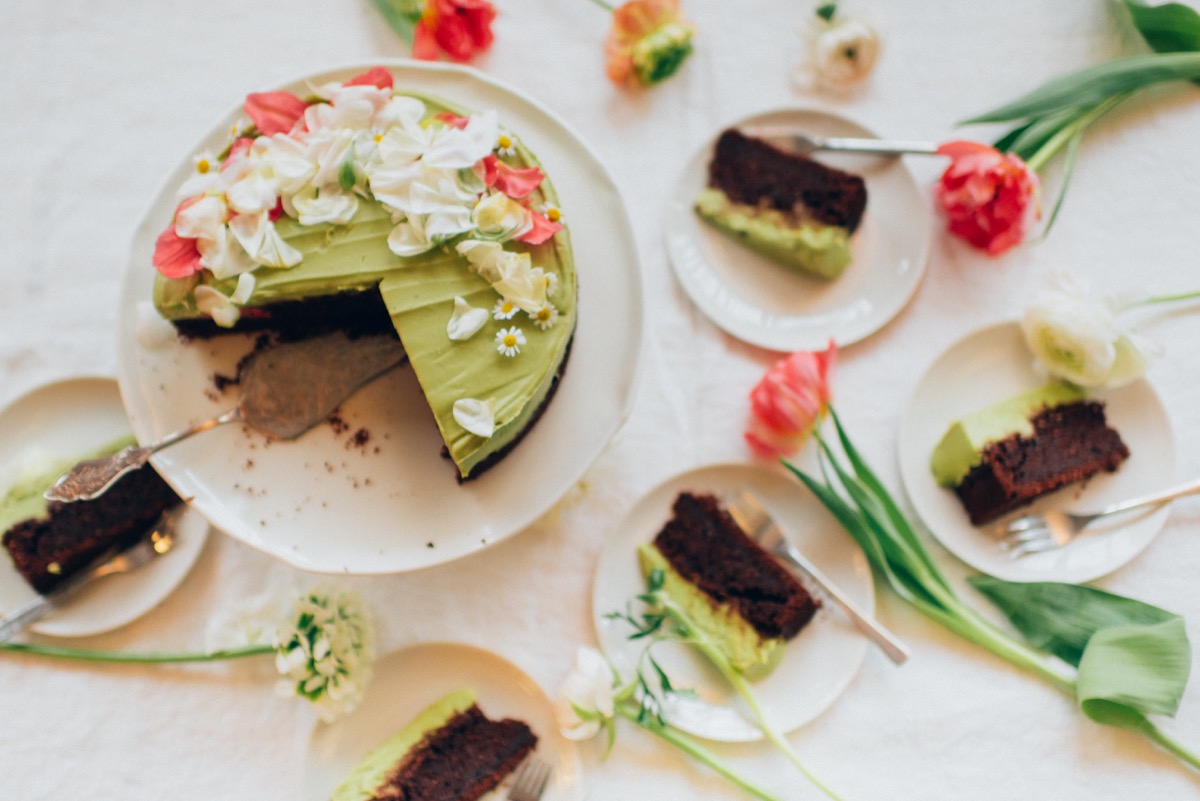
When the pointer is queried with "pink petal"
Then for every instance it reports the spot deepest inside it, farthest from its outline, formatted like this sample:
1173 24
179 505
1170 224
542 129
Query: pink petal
378 77
174 256
274 112
424 46
455 121
516 183
541 230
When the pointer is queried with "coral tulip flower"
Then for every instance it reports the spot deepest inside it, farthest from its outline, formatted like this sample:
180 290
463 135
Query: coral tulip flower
988 197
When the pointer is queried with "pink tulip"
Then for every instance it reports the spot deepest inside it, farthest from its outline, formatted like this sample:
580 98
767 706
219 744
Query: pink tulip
459 28
789 402
989 197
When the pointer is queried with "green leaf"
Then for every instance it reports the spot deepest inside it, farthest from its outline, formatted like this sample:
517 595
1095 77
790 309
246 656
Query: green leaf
1093 85
401 16
1060 618
1167 28
826 11
346 177
1140 666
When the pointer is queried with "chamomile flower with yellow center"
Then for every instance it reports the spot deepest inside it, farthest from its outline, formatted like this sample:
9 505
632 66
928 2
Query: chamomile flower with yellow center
544 317
506 145
504 309
509 341
206 171
553 213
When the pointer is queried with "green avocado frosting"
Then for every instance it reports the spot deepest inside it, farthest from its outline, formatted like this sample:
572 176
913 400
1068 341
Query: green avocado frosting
419 293
961 447
745 648
370 774
24 501
805 245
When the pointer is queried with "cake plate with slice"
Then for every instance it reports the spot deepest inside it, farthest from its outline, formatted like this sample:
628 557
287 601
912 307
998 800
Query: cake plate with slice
371 493
994 363
772 306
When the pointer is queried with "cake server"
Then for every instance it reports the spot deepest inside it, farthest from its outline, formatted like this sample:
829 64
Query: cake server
158 540
748 512
803 143
286 389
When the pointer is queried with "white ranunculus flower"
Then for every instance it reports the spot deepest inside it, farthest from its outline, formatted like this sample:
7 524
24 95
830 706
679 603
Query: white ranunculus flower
1078 338
499 217
258 237
330 205
843 53
587 697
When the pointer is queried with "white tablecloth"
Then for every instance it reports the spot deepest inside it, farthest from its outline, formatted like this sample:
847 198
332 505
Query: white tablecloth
103 99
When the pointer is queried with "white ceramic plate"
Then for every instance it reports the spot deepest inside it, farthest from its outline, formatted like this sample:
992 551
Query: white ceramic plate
818 663
992 364
408 680
772 306
58 420
325 504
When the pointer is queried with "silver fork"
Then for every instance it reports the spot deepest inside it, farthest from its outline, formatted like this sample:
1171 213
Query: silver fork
157 541
531 780
806 143
748 512
1054 529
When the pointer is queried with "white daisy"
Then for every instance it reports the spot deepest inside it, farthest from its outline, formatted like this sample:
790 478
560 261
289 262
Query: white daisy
505 144
544 317
509 341
504 309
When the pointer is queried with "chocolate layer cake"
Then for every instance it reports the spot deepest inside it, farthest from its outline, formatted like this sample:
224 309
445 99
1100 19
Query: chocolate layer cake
45 550
756 173
1070 443
743 601
450 752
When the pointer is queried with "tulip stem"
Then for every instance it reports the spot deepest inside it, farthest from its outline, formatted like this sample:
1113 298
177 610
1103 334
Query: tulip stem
1064 135
1161 299
146 658
604 5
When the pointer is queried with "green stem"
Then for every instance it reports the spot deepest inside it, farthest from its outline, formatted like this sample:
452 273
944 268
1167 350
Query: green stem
1172 746
741 686
147 658
1161 299
1064 134
694 750
604 5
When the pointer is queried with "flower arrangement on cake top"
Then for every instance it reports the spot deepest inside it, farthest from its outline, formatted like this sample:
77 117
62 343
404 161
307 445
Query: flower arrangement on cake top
316 160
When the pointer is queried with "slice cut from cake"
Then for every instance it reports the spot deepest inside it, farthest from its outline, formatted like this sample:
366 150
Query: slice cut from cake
450 752
48 542
367 209
1007 454
784 205
741 598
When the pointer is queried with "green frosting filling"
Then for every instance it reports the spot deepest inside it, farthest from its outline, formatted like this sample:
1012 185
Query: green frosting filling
729 632
24 500
369 775
961 447
419 294
820 250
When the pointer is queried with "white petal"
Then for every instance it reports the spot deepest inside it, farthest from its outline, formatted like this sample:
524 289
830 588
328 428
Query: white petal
475 416
258 237
328 206
202 219
408 238
466 320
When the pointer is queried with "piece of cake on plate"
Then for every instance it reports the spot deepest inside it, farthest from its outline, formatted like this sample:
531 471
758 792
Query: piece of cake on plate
370 208
1008 454
48 542
788 207
450 752
741 598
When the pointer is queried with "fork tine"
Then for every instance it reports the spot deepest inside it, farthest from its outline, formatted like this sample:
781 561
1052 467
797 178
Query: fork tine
1029 535
531 780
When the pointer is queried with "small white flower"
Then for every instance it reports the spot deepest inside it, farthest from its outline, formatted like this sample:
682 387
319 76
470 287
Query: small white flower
587 698
224 309
476 416
466 320
1078 338
509 341
206 171
504 309
506 145
324 652
553 213
842 52
544 317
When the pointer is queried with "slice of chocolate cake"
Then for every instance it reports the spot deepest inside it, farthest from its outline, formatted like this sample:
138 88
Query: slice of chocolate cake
734 590
46 549
1005 456
782 204
449 752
